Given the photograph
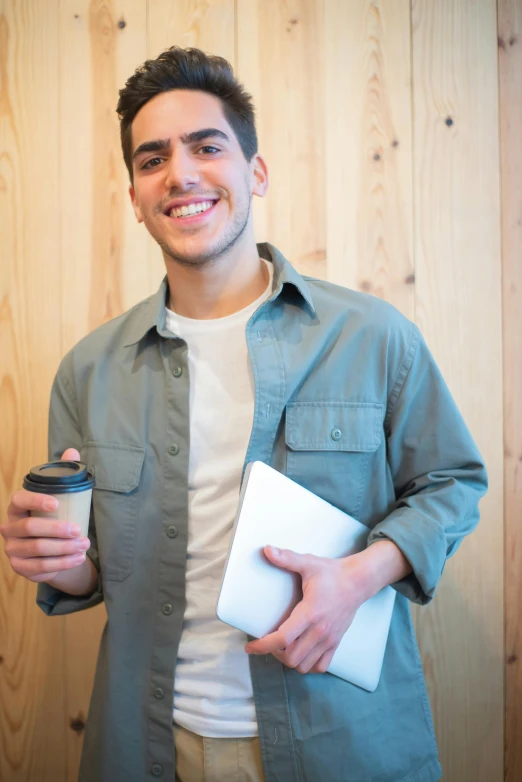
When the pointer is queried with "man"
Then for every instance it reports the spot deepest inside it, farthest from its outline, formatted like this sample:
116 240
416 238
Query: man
239 358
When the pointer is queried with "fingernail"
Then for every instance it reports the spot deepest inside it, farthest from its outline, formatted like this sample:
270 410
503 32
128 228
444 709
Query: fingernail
275 551
74 529
50 504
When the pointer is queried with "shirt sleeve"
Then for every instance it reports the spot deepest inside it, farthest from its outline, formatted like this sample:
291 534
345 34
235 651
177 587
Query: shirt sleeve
437 471
65 432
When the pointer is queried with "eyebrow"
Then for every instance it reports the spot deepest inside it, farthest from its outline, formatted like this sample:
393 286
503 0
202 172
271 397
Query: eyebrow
163 144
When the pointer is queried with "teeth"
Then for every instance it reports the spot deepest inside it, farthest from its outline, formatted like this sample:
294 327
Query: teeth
191 209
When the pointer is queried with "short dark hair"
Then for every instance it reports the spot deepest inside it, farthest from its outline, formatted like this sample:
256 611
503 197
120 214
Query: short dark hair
187 69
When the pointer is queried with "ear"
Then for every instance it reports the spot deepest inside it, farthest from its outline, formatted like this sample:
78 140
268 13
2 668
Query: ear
259 176
137 210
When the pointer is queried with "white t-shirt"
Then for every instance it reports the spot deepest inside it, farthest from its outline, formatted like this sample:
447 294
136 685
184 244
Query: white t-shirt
212 685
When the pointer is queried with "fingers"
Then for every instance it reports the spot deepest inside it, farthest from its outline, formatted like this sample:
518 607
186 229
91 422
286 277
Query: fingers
24 501
323 663
315 660
294 626
38 548
290 560
312 658
71 454
36 566
27 548
309 647
311 643
36 527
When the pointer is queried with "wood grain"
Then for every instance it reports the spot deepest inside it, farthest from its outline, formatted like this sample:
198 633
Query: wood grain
510 84
380 128
206 24
458 308
103 247
31 647
369 213
280 60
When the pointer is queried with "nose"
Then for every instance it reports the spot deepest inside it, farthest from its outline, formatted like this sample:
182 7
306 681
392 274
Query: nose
182 170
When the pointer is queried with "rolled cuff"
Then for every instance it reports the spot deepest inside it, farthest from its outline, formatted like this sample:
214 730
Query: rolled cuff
54 602
423 542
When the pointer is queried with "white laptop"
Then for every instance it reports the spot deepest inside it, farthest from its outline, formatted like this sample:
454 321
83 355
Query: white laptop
256 596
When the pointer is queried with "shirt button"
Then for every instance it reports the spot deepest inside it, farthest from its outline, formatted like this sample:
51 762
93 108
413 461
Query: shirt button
177 371
172 532
159 693
336 434
174 449
157 770
167 609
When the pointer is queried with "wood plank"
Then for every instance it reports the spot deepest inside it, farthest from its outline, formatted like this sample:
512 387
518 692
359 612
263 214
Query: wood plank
209 26
458 308
104 249
510 86
280 61
369 213
31 646
333 81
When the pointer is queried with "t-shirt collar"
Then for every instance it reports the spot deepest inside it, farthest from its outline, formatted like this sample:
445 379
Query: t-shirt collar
152 312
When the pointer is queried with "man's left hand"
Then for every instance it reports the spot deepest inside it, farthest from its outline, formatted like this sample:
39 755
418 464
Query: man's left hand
333 590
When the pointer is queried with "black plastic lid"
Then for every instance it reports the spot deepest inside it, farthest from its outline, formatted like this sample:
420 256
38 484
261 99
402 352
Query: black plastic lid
59 478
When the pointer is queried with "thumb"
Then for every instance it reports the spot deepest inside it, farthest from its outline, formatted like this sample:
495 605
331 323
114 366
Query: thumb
71 454
289 560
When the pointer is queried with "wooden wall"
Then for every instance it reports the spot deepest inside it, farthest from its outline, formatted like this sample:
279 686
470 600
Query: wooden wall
510 83
391 150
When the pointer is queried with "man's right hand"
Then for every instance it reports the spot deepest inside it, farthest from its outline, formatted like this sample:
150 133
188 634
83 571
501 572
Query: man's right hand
40 548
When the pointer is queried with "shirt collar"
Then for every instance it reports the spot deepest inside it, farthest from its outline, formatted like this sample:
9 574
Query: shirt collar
152 312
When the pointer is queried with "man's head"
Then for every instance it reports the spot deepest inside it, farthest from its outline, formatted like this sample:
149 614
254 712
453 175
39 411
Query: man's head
188 136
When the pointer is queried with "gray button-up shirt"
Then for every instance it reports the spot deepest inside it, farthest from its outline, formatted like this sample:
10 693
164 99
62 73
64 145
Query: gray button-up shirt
348 402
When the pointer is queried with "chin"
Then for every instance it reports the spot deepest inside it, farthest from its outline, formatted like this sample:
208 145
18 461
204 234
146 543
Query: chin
191 255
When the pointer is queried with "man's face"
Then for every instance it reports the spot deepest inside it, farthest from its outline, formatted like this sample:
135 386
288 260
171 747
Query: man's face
194 161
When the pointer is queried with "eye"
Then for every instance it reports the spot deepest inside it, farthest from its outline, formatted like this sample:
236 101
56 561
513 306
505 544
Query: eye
147 164
214 149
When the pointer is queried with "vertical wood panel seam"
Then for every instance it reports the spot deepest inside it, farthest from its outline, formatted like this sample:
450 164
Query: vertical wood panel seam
147 30
60 193
502 380
502 360
413 169
236 42
65 690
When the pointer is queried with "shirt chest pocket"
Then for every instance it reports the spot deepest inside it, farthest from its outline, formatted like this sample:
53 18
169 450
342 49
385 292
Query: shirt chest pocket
117 470
329 448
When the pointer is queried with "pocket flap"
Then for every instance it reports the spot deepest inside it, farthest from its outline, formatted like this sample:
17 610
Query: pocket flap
116 467
334 426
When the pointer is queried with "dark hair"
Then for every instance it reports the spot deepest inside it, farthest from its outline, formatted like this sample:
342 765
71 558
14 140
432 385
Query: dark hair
187 69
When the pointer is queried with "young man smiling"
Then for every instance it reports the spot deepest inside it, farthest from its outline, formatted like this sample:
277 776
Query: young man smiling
238 358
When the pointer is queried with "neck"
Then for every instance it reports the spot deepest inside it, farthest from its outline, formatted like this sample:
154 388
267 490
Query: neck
226 286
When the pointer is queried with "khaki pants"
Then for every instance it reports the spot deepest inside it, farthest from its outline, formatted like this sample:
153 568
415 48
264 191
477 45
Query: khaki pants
199 759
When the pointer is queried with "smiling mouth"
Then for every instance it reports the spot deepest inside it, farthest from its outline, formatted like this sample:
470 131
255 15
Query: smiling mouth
192 213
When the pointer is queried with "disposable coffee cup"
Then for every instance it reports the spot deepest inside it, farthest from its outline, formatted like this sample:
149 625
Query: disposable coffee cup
71 484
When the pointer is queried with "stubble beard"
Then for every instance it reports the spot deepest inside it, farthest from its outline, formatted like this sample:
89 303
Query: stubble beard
212 254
